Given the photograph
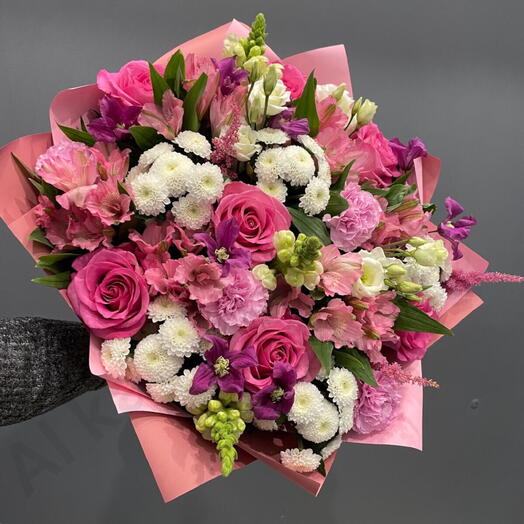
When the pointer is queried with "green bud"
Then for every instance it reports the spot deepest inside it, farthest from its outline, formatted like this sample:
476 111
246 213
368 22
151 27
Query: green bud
294 277
431 254
416 241
221 416
284 239
356 106
311 279
339 91
395 271
227 398
414 298
366 112
270 80
409 287
233 414
210 421
214 405
196 411
285 255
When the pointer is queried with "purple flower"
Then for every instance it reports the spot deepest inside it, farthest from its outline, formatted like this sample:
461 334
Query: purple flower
222 250
292 127
223 368
406 154
230 75
270 401
114 121
457 230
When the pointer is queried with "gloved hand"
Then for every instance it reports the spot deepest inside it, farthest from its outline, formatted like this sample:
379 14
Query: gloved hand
43 364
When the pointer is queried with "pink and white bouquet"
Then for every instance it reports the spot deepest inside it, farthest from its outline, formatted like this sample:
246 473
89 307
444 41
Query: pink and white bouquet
255 261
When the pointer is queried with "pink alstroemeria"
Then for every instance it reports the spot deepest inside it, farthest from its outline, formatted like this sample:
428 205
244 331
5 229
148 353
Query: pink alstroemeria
107 203
167 118
341 271
286 297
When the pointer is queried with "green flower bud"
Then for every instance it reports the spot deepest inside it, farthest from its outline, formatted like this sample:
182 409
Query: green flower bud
366 112
414 298
233 414
416 241
227 398
285 255
395 271
339 91
284 239
431 254
210 421
270 80
294 277
214 405
409 287
356 106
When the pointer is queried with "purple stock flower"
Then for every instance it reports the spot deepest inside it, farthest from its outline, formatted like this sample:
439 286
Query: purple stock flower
230 75
278 397
455 230
223 368
222 250
292 127
114 121
406 154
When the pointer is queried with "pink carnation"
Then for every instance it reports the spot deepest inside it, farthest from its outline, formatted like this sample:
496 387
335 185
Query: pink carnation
285 297
376 407
355 225
293 79
341 271
336 323
243 300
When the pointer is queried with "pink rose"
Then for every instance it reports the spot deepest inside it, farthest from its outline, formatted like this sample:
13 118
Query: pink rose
259 216
276 340
131 85
109 293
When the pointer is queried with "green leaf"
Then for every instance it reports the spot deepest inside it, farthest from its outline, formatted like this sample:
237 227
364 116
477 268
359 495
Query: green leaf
341 180
190 121
158 83
47 261
83 125
59 281
429 208
357 363
306 106
76 135
336 205
396 195
36 180
411 318
29 173
175 72
323 351
145 137
38 235
322 468
310 226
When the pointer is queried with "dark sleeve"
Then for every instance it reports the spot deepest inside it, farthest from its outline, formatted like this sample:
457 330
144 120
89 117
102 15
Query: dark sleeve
43 363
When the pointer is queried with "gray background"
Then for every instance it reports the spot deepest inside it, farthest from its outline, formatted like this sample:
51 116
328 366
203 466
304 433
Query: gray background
449 71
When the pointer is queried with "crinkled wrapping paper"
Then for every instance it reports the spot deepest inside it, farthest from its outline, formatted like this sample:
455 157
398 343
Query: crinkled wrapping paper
179 458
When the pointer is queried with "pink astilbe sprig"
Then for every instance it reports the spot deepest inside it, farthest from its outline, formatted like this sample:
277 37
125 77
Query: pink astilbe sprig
224 151
462 280
396 372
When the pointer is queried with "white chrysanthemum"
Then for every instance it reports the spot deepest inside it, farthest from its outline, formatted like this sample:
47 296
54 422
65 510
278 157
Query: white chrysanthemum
423 275
323 427
150 194
133 173
192 142
132 373
269 164
192 212
163 307
265 425
301 460
113 355
307 404
312 145
324 172
176 170
179 337
162 392
152 361
446 270
298 166
246 145
272 136
181 386
342 386
346 418
147 158
207 182
315 197
275 188
331 447
436 296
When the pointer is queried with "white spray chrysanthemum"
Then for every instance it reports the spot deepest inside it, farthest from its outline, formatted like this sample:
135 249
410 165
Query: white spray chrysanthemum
301 460
307 404
176 170
275 188
193 142
246 145
312 145
298 166
164 307
147 158
324 172
181 386
113 355
162 392
269 164
207 182
323 427
179 337
346 414
150 194
315 197
192 212
342 386
272 136
265 425
423 275
331 447
132 373
133 173
152 361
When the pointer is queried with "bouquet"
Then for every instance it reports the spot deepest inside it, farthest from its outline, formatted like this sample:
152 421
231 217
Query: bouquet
255 261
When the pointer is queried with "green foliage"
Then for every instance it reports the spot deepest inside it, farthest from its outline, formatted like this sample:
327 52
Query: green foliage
191 121
145 137
175 73
411 318
77 135
58 280
310 226
306 106
323 351
158 83
356 362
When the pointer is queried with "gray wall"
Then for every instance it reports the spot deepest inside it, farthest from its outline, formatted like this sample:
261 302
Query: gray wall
448 71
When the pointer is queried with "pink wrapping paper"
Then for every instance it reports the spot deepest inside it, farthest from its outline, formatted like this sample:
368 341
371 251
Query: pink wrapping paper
179 458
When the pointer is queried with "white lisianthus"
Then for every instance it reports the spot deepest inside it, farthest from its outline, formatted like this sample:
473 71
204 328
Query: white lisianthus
152 361
298 166
342 386
176 170
277 101
275 188
150 194
246 145
192 212
193 142
301 460
366 112
371 283
315 197
344 99
307 404
206 182
431 253
323 427
272 136
179 337
147 158
113 355
163 307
